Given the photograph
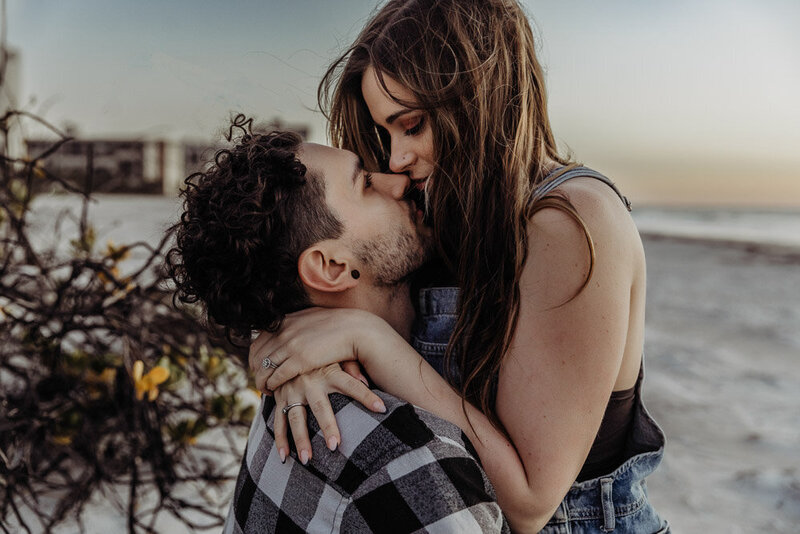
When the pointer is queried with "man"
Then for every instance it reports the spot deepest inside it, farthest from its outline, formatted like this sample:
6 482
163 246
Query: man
276 226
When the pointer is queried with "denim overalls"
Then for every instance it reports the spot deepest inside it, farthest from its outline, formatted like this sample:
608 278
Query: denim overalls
616 502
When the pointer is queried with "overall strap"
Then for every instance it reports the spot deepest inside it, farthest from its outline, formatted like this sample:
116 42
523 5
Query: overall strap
562 174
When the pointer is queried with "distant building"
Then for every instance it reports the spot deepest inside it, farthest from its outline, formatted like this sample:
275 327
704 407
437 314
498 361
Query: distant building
277 124
197 155
113 165
9 94
149 166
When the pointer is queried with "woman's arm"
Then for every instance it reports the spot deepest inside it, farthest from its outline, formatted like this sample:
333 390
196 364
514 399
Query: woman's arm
566 357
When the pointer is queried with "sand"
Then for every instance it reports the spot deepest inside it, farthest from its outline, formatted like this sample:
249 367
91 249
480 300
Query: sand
723 380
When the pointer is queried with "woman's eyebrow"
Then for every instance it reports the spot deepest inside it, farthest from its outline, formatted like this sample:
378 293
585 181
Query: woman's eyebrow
394 116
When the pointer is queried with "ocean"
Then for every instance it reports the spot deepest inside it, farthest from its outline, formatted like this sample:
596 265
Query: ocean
780 228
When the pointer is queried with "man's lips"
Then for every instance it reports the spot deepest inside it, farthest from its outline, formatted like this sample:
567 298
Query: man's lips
416 198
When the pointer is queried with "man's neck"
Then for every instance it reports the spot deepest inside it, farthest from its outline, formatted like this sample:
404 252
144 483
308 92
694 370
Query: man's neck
393 305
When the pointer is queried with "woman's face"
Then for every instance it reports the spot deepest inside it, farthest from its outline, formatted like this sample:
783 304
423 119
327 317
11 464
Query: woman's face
409 129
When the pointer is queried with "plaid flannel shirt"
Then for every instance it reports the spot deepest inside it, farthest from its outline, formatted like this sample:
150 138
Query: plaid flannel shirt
402 471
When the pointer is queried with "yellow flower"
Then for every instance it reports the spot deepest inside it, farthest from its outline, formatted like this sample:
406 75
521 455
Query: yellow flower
119 293
104 278
105 377
62 440
117 253
38 171
213 367
149 382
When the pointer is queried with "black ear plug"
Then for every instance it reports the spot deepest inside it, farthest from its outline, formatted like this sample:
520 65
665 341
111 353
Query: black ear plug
355 274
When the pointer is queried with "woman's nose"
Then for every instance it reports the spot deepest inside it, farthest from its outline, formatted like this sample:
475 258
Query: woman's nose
393 185
401 158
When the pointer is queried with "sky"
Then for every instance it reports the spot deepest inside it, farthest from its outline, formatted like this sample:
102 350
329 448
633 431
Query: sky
680 102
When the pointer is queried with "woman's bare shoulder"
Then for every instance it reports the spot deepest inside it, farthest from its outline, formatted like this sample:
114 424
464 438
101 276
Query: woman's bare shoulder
597 205
559 250
594 200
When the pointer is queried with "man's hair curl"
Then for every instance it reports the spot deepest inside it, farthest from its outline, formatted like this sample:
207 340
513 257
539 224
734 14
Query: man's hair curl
245 222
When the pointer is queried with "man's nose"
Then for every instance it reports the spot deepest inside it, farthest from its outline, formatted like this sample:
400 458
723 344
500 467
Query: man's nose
393 185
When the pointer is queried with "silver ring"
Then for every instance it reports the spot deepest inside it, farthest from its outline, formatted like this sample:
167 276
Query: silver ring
266 363
292 405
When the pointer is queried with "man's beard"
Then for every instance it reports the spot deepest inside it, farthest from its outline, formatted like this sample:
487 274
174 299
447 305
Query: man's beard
394 258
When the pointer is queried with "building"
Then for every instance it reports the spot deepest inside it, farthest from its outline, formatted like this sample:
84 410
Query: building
277 124
9 94
112 165
145 166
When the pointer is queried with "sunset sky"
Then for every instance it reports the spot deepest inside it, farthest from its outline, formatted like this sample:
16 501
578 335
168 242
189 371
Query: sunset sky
681 102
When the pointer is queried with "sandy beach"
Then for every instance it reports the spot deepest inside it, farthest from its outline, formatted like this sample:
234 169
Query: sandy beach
723 380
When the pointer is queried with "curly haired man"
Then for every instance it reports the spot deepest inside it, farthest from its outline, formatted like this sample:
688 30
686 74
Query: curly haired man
275 226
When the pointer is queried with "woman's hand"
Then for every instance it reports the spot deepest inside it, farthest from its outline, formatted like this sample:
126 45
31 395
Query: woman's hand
314 338
312 389
352 368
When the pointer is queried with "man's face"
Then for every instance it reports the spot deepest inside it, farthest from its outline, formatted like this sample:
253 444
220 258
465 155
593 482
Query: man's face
384 231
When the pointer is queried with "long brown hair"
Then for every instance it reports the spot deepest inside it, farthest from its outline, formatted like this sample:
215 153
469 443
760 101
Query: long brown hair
471 65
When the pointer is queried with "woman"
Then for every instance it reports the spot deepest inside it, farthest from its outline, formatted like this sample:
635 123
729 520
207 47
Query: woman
546 350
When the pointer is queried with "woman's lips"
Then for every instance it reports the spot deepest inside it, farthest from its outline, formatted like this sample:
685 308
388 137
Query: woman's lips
415 195
419 183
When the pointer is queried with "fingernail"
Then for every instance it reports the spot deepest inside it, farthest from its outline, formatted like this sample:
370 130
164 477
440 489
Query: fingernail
304 457
333 443
282 454
379 407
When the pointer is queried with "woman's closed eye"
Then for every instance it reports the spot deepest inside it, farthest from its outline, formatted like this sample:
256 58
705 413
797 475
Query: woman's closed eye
414 129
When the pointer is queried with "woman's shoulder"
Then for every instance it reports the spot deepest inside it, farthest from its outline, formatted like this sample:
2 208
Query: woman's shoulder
594 224
589 192
598 205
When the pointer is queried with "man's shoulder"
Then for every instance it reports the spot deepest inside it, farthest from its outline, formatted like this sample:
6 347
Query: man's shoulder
374 441
370 441
405 459
428 478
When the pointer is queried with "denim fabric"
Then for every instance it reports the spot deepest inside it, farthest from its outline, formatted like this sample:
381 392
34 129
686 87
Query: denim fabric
616 502
436 319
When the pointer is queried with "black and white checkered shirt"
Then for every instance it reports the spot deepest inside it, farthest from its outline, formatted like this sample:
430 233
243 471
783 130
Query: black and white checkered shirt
402 471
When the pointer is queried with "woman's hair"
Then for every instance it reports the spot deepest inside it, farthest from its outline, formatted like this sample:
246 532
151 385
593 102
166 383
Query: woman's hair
471 66
246 220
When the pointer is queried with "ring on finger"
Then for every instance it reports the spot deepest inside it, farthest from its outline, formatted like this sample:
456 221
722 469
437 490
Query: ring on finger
292 405
266 363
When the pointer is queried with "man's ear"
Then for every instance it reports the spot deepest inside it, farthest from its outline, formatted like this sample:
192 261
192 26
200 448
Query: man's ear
323 269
